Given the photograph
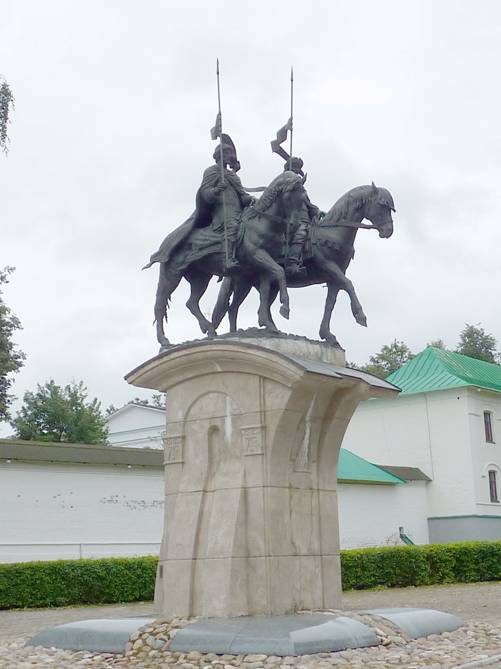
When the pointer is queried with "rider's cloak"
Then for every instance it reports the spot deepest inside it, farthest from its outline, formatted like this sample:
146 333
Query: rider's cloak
200 218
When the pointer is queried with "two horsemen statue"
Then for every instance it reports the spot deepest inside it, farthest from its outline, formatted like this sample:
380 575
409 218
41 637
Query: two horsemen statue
274 242
220 202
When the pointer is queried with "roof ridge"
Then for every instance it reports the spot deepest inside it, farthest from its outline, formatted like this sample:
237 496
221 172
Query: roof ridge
439 369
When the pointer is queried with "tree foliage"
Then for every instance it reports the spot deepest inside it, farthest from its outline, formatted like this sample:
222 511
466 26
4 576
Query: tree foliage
54 413
6 107
389 358
476 343
437 343
11 358
157 400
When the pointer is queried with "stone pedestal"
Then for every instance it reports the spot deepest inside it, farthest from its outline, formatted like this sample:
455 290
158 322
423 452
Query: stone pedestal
251 449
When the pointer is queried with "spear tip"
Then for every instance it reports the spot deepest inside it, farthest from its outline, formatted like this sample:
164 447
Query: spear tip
217 65
292 73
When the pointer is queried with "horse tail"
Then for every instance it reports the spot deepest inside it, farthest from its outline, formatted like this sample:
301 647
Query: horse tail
223 301
163 296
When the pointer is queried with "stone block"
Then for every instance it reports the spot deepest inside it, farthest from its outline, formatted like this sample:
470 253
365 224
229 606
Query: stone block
251 448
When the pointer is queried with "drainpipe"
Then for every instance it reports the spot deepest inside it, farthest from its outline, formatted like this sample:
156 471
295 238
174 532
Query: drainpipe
407 540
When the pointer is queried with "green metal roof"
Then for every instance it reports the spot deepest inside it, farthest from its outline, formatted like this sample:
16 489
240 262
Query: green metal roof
436 369
354 469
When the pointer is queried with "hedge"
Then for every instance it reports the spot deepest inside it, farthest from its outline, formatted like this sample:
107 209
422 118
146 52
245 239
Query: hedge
397 567
67 582
106 581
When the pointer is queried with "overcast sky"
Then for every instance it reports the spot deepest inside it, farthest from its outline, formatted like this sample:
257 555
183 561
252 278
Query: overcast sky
110 136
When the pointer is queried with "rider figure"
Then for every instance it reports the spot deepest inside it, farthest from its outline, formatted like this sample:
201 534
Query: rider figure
235 198
307 215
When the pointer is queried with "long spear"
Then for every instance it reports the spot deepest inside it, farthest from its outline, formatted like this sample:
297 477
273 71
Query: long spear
292 115
287 229
216 132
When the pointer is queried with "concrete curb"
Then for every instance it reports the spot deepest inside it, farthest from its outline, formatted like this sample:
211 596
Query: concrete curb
479 663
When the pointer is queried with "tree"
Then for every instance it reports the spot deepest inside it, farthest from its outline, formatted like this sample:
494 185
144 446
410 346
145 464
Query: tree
437 343
476 343
53 413
6 107
11 358
389 358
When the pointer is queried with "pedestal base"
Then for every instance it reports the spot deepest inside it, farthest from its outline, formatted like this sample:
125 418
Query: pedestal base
300 634
253 434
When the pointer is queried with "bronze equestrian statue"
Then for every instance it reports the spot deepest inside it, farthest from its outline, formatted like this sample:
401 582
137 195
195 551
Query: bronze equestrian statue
278 241
226 216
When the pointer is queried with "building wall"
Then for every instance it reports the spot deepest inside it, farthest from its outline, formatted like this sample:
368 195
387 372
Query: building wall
55 510
464 528
136 426
485 455
427 430
391 432
370 515
452 491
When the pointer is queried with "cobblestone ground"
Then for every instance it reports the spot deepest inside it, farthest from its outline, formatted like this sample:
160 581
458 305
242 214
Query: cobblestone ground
478 604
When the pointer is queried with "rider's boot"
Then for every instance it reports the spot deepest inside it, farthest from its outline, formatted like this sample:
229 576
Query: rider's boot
294 268
232 264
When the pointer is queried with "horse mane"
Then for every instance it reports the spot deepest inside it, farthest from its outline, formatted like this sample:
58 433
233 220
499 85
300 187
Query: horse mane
285 182
354 199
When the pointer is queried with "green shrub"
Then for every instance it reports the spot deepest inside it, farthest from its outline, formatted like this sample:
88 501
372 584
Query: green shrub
400 566
66 582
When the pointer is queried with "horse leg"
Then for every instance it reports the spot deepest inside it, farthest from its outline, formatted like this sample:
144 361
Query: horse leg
167 284
198 284
264 299
242 289
325 325
223 301
271 298
265 263
336 275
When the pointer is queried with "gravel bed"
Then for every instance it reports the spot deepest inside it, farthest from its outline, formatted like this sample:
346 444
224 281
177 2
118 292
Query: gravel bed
148 649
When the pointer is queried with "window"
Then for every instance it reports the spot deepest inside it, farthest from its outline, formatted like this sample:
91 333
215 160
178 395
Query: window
488 427
493 486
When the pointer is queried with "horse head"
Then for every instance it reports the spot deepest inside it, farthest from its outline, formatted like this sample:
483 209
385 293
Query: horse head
378 208
285 194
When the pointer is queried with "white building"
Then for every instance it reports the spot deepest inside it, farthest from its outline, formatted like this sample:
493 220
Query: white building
136 426
447 423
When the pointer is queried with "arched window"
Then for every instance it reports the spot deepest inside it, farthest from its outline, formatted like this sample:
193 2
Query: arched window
493 485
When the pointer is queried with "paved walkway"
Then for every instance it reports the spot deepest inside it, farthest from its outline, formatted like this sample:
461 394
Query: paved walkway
471 602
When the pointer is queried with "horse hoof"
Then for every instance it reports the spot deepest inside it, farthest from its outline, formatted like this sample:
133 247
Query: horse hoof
285 312
164 342
332 341
211 333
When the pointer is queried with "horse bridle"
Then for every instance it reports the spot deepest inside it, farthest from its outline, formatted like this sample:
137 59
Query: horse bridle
348 224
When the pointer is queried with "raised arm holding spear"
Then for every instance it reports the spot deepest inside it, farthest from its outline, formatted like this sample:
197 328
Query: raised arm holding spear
227 197
217 132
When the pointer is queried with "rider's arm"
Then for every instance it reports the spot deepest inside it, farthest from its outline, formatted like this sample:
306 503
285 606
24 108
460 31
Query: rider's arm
211 187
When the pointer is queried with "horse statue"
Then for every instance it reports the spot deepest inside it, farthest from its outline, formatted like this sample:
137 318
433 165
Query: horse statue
331 238
199 255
